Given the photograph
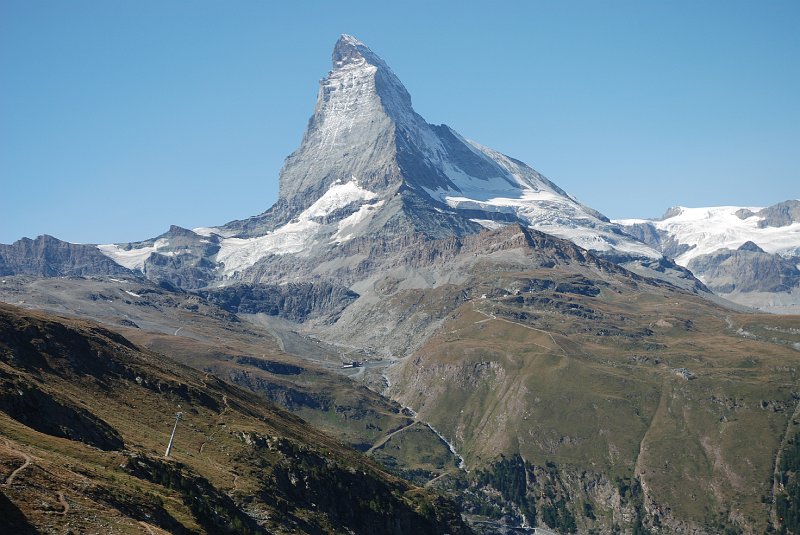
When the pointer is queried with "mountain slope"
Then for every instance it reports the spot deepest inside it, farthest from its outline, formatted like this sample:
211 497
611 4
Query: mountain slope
255 349
746 269
238 464
637 399
370 167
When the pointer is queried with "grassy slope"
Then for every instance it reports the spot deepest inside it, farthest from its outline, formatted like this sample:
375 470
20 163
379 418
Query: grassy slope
203 336
588 382
273 466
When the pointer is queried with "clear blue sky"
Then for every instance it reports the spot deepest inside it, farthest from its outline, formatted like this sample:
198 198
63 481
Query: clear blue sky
120 118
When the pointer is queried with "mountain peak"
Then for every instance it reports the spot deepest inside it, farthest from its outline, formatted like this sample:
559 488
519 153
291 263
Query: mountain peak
350 50
352 131
349 39
750 246
365 138
354 60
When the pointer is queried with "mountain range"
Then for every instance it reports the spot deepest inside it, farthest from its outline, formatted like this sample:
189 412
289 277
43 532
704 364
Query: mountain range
747 255
506 346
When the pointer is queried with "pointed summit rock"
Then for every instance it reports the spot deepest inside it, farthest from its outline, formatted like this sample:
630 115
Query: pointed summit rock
353 131
750 246
348 49
364 132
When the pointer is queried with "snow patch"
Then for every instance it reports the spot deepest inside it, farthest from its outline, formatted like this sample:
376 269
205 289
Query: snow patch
210 231
338 196
238 254
544 210
133 259
348 224
488 223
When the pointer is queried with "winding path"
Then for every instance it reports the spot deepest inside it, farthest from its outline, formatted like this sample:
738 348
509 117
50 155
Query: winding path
435 479
491 316
219 421
63 501
25 465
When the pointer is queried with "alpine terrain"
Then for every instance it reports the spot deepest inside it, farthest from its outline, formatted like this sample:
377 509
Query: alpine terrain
438 311
748 255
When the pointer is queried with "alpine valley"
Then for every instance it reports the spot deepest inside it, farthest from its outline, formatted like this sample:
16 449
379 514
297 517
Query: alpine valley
422 335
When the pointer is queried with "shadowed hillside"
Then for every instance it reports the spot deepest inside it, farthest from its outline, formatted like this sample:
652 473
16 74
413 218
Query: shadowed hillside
85 418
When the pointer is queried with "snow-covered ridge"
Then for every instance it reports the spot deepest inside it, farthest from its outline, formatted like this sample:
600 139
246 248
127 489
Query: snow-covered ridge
238 254
210 231
708 229
521 191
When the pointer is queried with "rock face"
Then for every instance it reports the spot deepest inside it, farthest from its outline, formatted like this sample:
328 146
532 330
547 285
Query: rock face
746 269
780 215
179 258
47 256
295 301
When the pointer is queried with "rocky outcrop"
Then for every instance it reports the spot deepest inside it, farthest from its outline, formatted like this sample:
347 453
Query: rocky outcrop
294 301
181 258
746 269
658 240
780 215
47 256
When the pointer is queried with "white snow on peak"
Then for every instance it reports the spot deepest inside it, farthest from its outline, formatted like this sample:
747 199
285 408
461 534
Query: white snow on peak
238 254
521 191
210 231
133 258
708 229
